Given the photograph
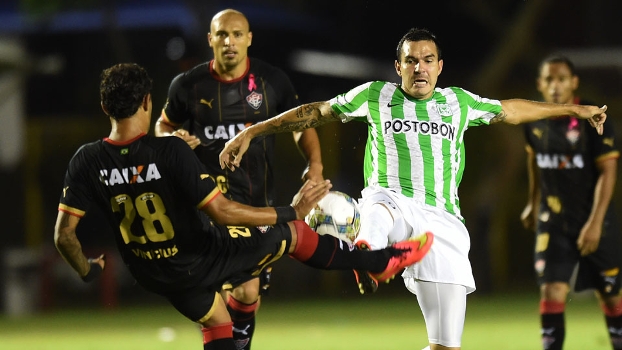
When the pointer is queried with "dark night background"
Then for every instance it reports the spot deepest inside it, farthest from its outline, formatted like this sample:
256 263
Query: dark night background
491 48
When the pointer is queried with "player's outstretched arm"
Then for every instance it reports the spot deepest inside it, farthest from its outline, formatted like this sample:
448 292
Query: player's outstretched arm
517 111
70 249
303 117
228 212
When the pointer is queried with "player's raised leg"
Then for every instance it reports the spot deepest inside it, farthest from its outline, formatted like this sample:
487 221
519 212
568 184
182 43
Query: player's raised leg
377 224
329 253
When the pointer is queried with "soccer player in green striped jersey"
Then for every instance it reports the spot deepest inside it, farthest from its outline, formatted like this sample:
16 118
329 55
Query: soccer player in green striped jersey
414 161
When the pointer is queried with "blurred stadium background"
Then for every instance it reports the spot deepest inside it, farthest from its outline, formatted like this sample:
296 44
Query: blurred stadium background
52 51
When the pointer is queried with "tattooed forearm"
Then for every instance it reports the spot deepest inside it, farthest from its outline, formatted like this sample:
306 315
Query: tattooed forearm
499 117
310 110
288 126
307 116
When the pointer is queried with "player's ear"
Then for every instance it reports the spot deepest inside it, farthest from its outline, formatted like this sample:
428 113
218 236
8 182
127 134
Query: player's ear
209 39
250 38
575 82
146 102
398 68
104 108
540 85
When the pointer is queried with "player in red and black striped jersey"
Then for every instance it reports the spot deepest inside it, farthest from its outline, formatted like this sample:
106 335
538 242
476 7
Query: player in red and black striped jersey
156 197
210 104
572 173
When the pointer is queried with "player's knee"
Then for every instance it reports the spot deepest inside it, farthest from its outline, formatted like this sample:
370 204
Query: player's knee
247 292
555 291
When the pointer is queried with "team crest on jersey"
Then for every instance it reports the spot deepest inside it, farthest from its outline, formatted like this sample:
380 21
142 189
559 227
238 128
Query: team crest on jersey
264 228
254 99
539 266
572 135
444 109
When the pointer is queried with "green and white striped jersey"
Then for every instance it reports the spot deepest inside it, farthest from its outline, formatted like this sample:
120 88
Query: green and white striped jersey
416 147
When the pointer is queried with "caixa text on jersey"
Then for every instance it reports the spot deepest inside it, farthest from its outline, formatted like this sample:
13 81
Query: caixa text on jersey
224 132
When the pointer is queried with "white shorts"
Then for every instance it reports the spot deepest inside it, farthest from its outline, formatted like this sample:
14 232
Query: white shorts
447 261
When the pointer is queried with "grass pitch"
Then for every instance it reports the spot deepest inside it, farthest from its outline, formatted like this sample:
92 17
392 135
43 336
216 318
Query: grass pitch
507 322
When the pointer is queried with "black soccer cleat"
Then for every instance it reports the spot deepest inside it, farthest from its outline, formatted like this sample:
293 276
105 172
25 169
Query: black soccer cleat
367 284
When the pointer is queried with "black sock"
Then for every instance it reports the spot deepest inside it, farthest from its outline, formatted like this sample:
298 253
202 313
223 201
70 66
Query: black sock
218 337
614 326
243 317
553 331
329 253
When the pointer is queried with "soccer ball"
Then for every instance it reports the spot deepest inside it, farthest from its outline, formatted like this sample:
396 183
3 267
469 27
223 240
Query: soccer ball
337 215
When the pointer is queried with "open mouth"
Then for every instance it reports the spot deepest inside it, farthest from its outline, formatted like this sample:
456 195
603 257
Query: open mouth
420 83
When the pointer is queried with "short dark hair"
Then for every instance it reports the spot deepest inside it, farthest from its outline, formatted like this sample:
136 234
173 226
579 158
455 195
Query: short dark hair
123 88
417 34
557 58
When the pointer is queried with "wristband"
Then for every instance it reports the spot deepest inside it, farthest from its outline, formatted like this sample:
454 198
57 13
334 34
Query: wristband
93 273
285 214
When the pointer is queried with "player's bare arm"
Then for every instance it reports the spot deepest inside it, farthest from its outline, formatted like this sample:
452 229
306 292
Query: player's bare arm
529 214
517 111
589 238
306 116
227 212
498 118
69 246
308 143
163 127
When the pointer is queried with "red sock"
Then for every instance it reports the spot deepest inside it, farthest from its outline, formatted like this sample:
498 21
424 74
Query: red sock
329 253
219 337
552 321
307 241
551 307
613 318
614 311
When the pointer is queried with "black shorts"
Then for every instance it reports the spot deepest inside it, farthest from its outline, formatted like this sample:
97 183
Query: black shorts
556 255
264 280
246 252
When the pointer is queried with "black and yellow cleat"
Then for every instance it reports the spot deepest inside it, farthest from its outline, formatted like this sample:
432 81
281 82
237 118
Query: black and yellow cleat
366 283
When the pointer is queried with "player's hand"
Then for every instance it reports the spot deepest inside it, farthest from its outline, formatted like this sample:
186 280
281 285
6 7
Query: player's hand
191 140
589 238
527 218
596 116
307 197
231 154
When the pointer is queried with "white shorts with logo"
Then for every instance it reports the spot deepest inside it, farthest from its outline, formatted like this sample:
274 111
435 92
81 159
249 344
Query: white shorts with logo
447 261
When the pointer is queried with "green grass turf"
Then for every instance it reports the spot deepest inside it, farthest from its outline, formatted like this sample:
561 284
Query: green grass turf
502 321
